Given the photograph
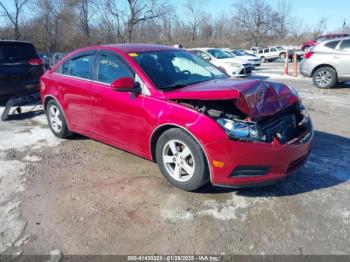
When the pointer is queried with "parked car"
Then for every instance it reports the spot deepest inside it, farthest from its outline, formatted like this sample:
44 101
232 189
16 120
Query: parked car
46 60
328 63
224 61
172 107
253 59
56 57
20 68
306 45
270 54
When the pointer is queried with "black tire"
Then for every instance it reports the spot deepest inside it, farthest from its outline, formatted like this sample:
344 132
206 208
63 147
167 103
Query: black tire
263 59
329 71
64 131
200 176
282 56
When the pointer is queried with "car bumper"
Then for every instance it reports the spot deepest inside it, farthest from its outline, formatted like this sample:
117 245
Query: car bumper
18 88
305 69
248 164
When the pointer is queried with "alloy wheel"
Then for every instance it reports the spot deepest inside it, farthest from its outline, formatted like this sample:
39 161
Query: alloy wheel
323 78
178 160
55 119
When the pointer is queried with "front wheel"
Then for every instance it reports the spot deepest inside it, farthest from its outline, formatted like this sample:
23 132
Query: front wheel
325 77
181 160
263 59
282 56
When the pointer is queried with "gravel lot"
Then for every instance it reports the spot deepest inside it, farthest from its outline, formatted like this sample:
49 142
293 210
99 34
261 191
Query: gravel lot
83 197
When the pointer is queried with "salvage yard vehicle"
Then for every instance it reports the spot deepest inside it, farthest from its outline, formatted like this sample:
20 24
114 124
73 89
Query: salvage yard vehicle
328 63
252 59
20 68
269 54
172 107
226 62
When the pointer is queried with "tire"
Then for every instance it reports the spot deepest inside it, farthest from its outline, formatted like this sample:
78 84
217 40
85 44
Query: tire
187 168
325 77
56 120
263 59
282 56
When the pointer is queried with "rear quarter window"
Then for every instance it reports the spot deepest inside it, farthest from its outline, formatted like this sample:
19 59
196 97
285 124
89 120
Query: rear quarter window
16 52
345 45
332 44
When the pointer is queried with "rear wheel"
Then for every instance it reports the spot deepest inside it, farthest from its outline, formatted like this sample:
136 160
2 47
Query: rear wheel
325 77
56 120
181 160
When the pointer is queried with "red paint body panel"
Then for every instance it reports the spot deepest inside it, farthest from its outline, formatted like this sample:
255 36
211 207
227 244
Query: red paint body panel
127 120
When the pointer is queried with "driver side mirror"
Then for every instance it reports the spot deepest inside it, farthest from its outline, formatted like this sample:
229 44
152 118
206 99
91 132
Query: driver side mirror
125 84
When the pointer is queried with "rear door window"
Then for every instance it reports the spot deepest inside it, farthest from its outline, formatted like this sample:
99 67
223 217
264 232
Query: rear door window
345 46
14 52
111 68
266 50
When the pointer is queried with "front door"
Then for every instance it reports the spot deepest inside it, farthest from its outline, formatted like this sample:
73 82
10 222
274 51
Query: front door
119 117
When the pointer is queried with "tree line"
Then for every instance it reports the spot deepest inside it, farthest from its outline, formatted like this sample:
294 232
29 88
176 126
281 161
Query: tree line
64 25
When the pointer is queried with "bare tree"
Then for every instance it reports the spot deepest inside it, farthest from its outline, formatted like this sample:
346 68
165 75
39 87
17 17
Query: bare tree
13 16
253 18
196 16
86 14
135 13
320 27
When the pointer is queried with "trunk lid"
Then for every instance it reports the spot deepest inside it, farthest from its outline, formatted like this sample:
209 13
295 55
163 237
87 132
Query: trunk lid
255 98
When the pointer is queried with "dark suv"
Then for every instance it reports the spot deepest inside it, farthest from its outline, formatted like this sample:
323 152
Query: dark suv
20 68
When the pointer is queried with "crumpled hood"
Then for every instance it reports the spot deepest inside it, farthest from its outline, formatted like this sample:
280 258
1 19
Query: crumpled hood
255 98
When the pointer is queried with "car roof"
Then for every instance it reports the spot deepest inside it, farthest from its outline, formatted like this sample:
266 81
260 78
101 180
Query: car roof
15 41
335 39
136 48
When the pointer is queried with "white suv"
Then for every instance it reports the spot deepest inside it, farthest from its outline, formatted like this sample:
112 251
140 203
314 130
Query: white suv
224 61
270 54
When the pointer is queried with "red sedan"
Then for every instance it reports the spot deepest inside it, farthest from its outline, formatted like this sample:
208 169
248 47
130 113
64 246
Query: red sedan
172 107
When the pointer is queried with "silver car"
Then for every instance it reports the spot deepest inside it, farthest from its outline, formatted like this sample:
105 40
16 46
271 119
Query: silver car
328 63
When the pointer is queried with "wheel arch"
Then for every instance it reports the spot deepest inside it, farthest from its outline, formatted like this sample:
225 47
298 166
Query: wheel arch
323 65
158 131
51 97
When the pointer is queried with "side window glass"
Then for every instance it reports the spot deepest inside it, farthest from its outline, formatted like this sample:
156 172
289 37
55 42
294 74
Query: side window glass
80 67
332 44
266 50
111 68
261 51
345 46
273 50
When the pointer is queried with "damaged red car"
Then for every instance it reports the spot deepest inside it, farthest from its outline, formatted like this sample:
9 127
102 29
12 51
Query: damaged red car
172 107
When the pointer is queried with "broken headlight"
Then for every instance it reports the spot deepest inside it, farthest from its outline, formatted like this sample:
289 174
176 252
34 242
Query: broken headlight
242 130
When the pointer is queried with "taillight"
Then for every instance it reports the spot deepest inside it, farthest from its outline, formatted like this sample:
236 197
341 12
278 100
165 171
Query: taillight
308 55
35 61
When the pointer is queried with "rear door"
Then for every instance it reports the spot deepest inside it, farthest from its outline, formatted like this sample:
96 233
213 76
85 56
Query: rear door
342 58
19 64
74 78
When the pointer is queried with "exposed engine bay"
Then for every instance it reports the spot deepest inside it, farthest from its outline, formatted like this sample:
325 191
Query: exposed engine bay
285 125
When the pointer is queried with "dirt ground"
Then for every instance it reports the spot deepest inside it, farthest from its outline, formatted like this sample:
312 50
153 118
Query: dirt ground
83 197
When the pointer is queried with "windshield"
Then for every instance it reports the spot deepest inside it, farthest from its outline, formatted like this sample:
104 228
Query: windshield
237 53
219 54
176 69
